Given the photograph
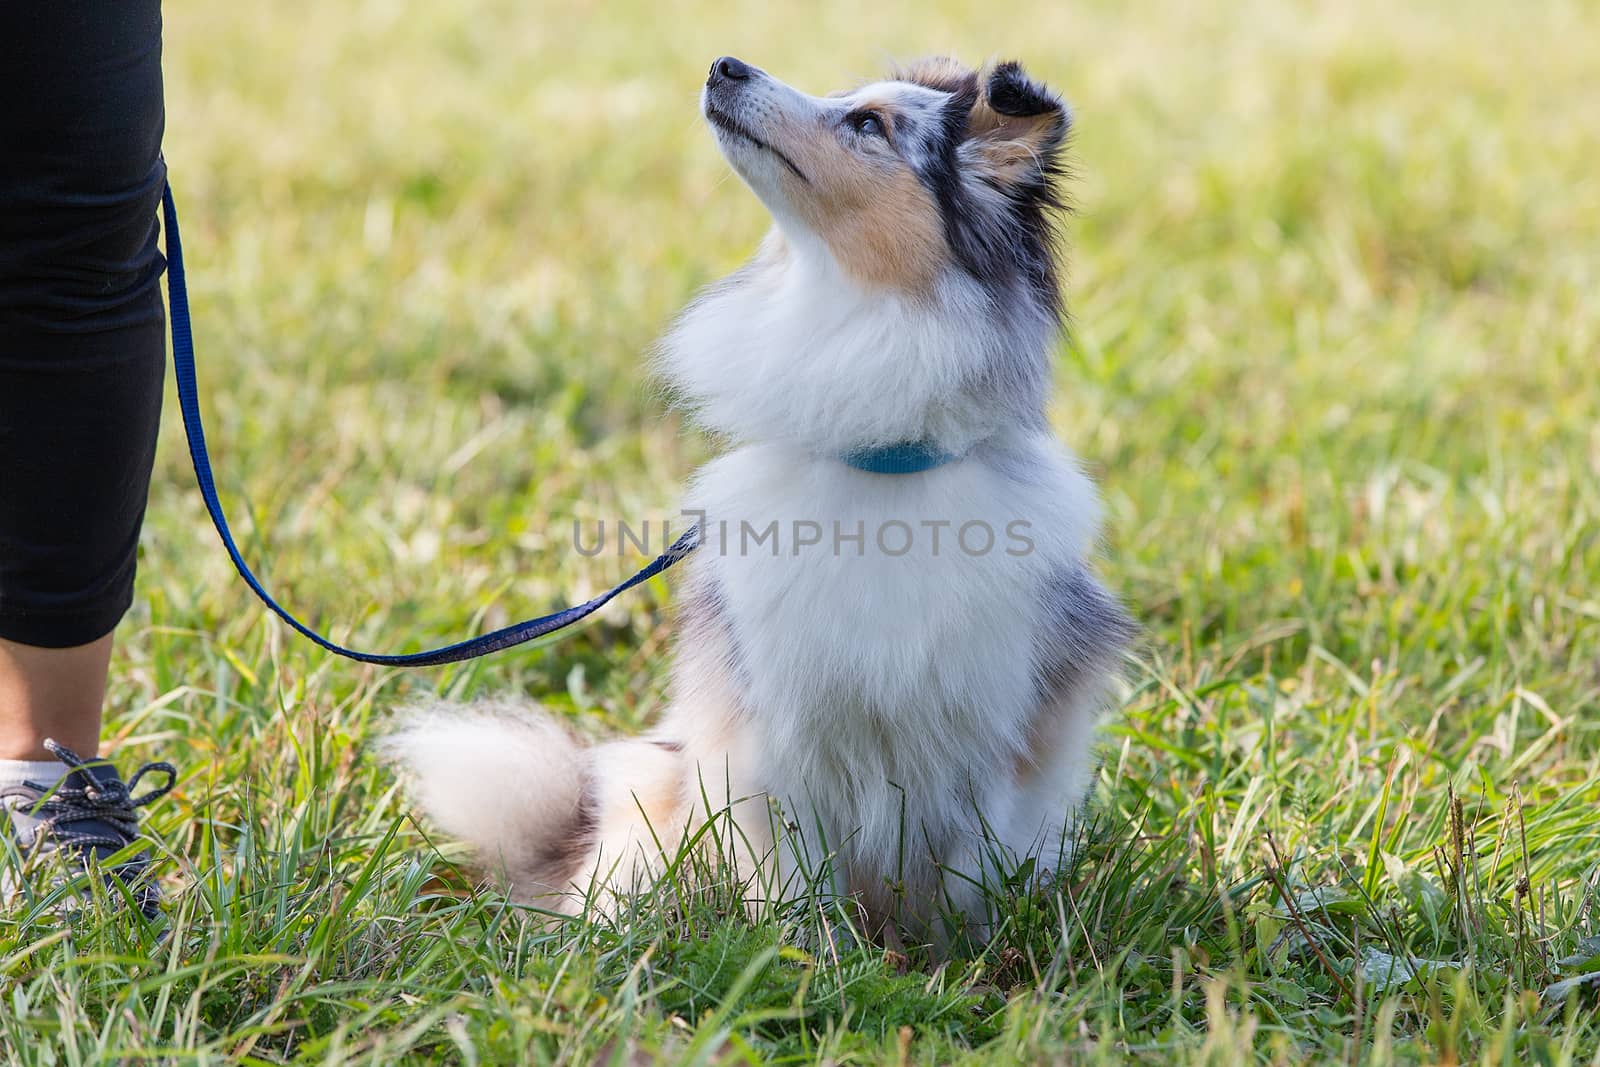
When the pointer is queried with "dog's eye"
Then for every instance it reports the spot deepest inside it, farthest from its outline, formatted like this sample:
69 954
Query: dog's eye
866 123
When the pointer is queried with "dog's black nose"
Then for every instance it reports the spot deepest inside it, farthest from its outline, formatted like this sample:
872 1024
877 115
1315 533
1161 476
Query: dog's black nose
730 69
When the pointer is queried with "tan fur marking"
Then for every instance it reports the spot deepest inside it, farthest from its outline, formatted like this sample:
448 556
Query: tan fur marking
1025 765
880 222
1009 145
885 233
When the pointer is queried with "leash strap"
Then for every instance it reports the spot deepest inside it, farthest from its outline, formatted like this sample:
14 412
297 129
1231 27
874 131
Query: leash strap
194 430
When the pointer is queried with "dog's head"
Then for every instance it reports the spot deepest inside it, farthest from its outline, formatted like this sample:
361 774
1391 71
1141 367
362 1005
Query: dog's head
939 168
908 291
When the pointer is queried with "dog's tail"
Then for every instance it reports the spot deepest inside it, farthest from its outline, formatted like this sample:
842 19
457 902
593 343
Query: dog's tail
552 818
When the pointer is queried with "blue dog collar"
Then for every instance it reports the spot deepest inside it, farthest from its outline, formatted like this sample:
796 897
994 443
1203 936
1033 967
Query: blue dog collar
904 457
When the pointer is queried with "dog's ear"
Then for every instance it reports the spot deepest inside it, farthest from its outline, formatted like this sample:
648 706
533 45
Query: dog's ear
1017 126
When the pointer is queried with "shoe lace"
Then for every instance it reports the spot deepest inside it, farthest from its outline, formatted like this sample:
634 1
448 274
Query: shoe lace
113 804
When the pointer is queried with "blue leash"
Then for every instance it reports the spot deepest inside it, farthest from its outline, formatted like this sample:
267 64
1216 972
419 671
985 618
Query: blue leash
189 401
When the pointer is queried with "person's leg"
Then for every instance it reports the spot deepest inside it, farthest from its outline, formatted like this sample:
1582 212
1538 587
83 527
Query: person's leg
51 693
81 350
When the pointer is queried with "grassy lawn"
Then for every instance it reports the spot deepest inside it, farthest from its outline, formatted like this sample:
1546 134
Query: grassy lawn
1335 359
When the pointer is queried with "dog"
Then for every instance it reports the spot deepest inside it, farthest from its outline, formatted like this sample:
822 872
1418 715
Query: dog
891 645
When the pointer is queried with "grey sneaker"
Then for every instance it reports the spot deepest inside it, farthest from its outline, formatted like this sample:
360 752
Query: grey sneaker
86 818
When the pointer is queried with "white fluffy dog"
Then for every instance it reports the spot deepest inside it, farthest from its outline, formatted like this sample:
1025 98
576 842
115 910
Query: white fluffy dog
891 648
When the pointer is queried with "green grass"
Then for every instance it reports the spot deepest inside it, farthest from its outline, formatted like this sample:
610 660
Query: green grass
1335 279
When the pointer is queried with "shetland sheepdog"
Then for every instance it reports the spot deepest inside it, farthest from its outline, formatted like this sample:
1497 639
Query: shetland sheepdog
891 646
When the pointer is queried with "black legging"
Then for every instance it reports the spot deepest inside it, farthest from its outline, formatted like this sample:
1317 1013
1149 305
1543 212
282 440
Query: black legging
82 347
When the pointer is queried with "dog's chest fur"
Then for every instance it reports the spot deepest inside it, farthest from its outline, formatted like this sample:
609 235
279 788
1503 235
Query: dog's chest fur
888 684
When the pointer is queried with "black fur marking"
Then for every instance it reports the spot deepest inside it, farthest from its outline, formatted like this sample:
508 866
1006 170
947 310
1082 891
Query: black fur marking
1012 92
1036 197
566 853
1017 243
942 173
702 623
1085 631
